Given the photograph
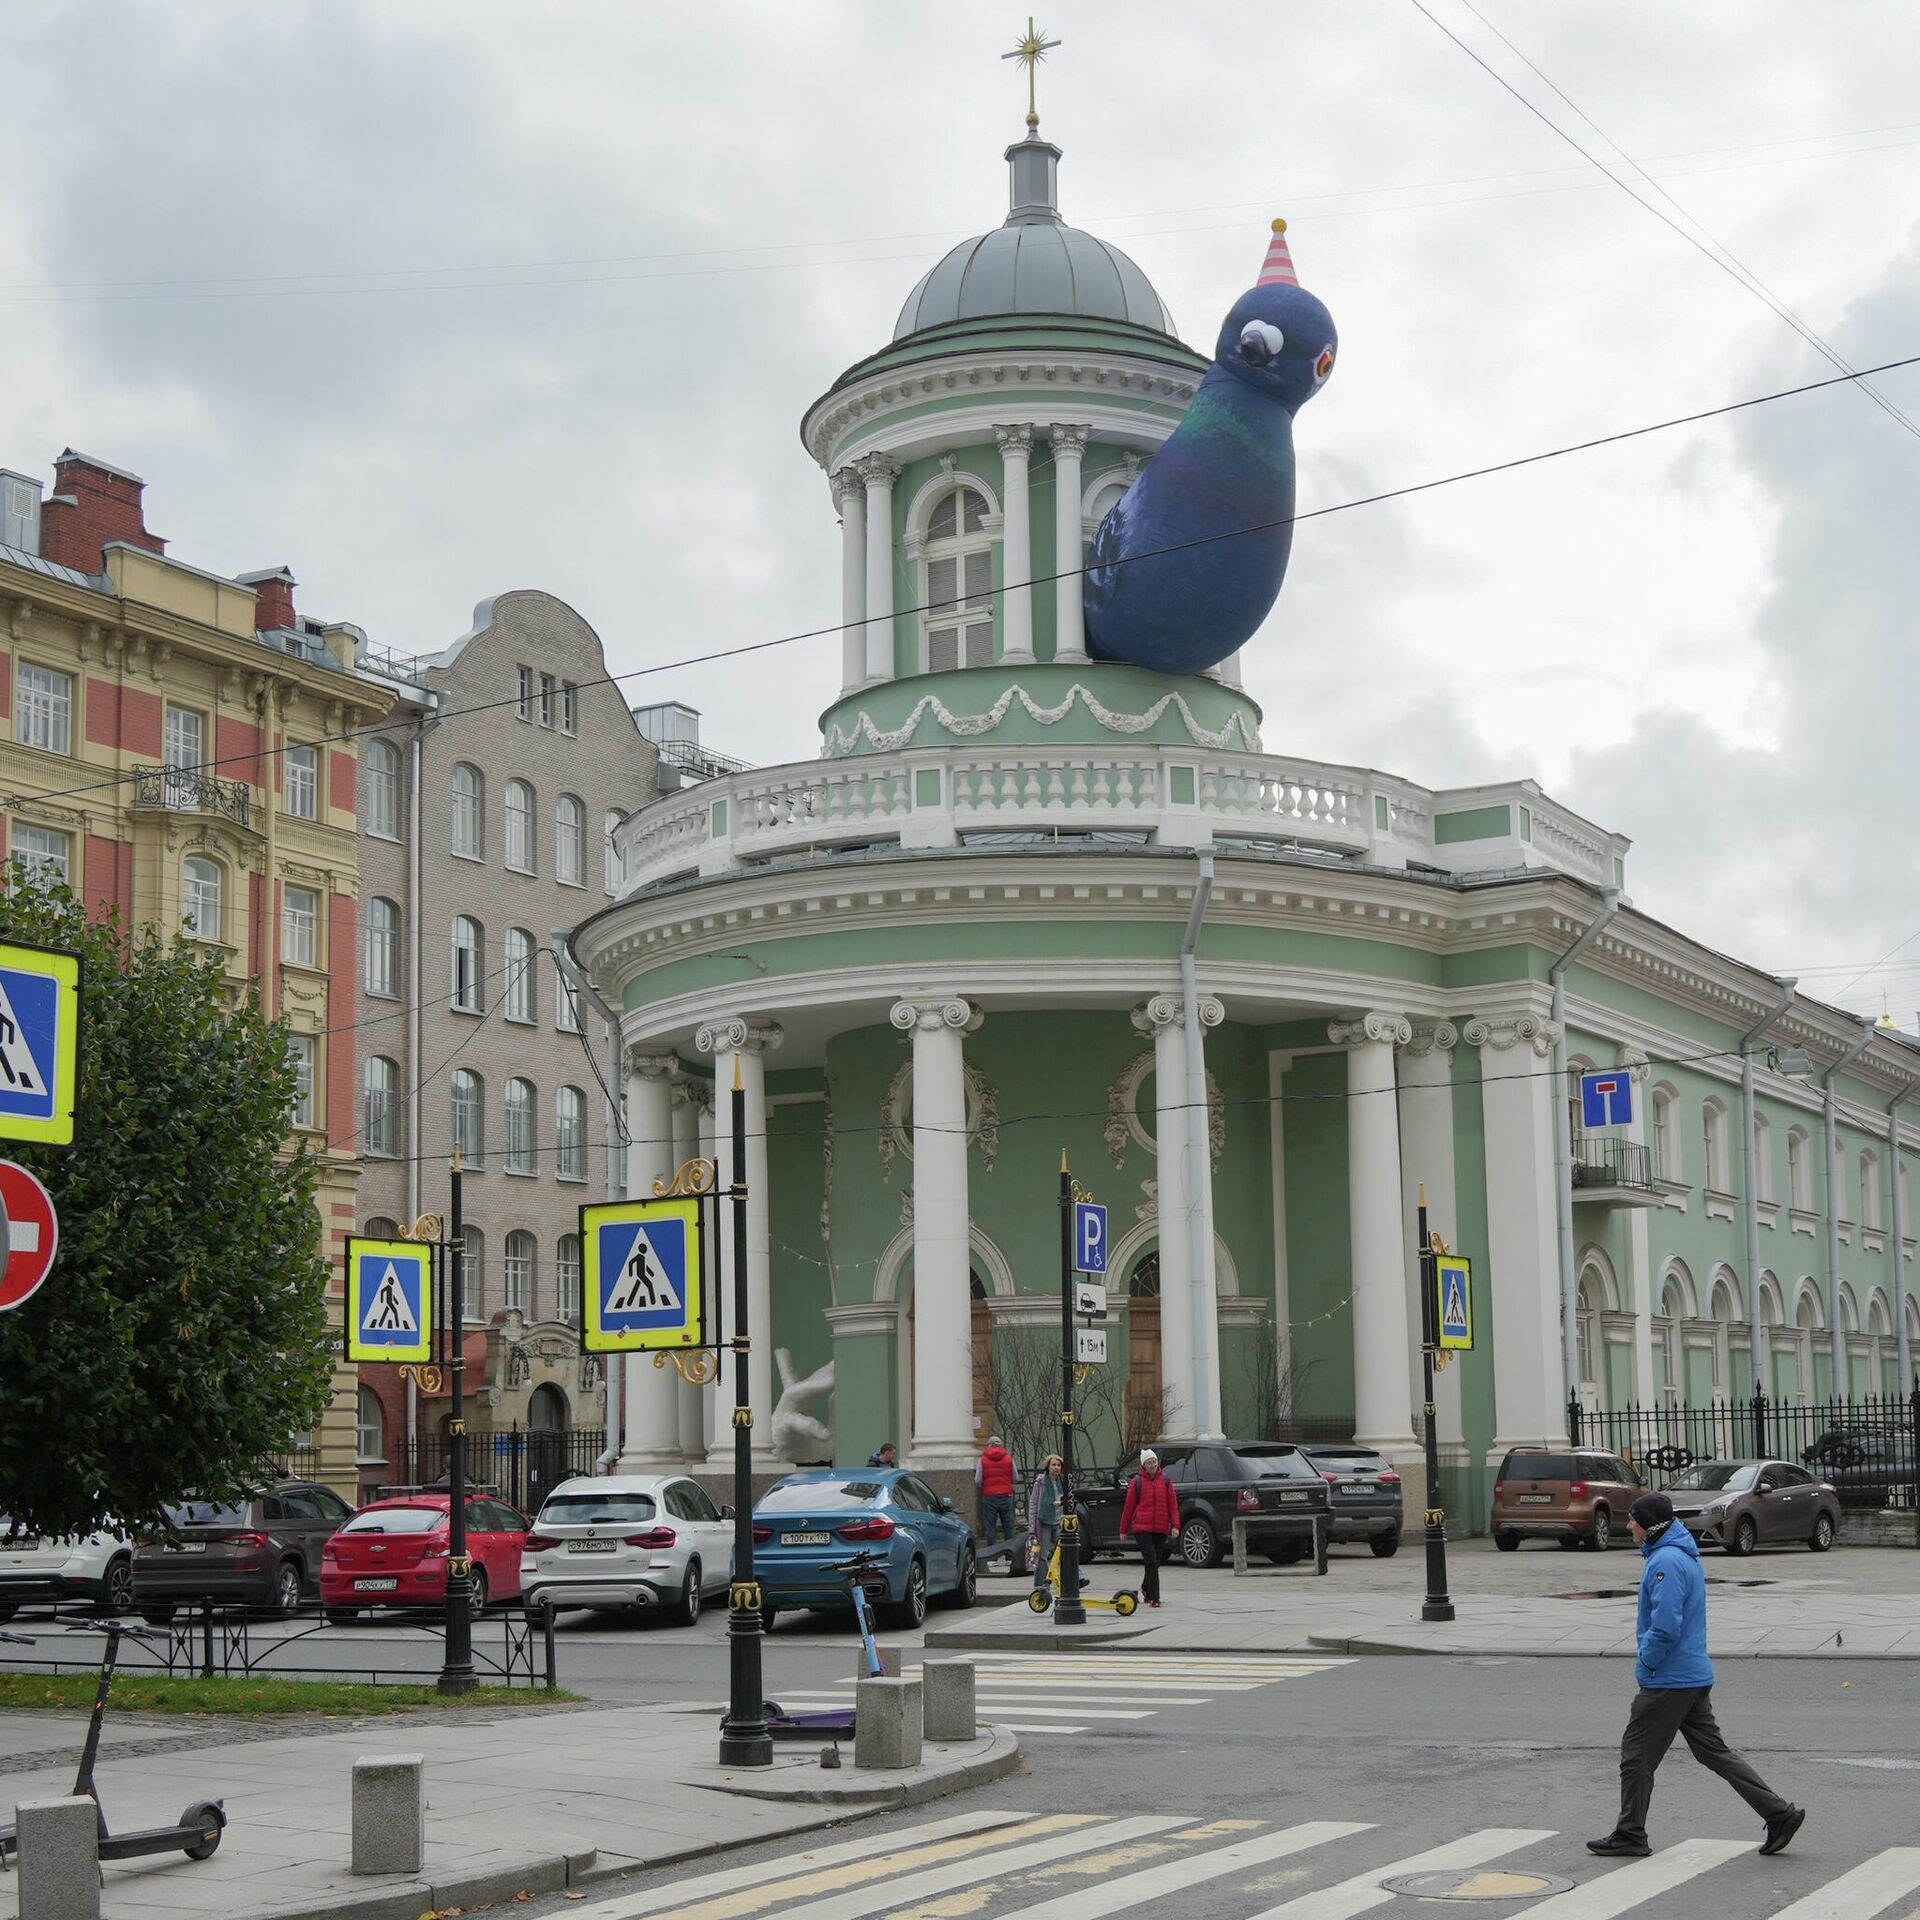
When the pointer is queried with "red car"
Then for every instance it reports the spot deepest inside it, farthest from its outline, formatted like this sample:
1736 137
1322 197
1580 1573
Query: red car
393 1553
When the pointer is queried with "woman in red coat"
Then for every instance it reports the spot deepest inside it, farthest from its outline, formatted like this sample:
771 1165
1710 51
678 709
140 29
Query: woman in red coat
1152 1517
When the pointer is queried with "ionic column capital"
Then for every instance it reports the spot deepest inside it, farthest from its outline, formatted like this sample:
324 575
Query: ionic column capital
1636 1063
1014 441
1524 1029
1070 440
949 1012
1434 1036
693 1090
1375 1029
739 1035
1163 1010
645 1063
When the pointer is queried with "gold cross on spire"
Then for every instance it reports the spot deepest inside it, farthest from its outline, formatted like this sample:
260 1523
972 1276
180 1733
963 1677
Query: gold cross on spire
1033 48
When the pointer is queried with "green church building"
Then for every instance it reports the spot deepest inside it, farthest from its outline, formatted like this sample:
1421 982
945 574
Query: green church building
1021 902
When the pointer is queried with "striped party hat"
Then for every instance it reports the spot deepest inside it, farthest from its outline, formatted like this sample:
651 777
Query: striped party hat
1277 271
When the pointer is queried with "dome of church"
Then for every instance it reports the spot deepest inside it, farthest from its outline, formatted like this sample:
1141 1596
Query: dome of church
1035 263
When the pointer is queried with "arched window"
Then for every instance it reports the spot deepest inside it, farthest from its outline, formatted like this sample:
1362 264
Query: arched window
370 1430
380 1121
566 1278
469 810
381 1228
520 950
1714 1129
520 1141
1105 498
1592 1300
570 1133
1667 1163
1799 1171
616 867
468 945
200 913
1869 1191
469 1116
566 1001
519 1270
959 584
1762 1157
569 841
474 1271
383 947
382 784
1806 1320
520 831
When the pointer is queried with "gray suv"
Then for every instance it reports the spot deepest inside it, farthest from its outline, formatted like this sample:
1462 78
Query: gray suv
263 1551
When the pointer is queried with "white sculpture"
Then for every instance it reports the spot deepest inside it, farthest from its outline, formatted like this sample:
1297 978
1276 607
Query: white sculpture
797 1436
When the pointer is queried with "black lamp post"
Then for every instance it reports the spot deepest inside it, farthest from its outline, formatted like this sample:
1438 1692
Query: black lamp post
1438 1605
456 1672
1069 1610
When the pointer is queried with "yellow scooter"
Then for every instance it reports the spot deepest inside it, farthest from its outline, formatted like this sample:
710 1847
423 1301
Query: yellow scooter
1041 1598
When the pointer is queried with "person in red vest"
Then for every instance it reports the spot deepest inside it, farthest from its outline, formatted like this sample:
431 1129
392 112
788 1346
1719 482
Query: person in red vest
994 1475
1151 1517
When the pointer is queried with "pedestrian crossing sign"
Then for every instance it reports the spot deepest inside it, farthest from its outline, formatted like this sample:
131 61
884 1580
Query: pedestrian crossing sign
389 1299
1453 1277
642 1284
39 1043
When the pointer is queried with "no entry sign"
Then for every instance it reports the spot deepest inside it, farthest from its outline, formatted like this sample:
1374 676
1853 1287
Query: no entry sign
29 1234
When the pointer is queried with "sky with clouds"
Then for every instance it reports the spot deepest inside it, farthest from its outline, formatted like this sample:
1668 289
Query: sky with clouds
430 301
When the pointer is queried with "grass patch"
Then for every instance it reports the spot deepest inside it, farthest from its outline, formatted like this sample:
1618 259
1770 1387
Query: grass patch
163 1693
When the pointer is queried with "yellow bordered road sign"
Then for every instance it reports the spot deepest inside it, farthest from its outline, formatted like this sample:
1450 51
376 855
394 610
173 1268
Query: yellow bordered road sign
1453 1278
39 1043
641 1283
389 1300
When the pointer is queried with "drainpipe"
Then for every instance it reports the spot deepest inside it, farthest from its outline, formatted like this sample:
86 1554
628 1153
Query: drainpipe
1846 1060
1899 1233
416 994
1197 1141
1563 1141
1753 1033
616 1131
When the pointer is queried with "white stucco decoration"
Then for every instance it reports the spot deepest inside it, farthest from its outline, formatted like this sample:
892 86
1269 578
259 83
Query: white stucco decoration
797 1436
964 726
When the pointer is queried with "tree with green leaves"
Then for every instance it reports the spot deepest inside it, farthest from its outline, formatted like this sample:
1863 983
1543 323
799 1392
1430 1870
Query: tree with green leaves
181 1339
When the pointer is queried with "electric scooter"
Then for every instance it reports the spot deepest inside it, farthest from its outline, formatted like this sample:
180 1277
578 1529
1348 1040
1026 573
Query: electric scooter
1124 1602
836 1721
196 1833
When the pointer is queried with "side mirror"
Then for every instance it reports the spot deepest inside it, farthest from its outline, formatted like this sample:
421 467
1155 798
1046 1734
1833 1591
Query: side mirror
946 1505
726 1513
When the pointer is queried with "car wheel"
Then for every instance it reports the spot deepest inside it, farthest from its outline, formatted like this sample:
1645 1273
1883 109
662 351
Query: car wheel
477 1592
967 1588
117 1596
768 1615
1505 1541
686 1611
1289 1553
1600 1535
1745 1536
911 1609
1199 1544
1385 1545
157 1616
286 1589
340 1616
1822 1536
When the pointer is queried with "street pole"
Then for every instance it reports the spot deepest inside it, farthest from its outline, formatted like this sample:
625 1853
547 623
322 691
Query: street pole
1069 1610
744 1739
456 1674
1437 1605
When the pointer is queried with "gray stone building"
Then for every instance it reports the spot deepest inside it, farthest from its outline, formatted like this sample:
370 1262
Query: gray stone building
485 822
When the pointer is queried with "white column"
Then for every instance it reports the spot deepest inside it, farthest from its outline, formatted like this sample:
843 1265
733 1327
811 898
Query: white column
1426 1159
850 496
942 1255
1382 1335
716 1398
741 1046
1523 1229
878 475
652 1435
1069 625
1196 1178
1160 1018
690 1103
1639 1255
1016 553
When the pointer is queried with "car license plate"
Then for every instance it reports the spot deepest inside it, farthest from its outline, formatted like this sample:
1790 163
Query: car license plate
1533 1499
186 1546
1358 1493
1293 1499
375 1586
805 1539
591 1546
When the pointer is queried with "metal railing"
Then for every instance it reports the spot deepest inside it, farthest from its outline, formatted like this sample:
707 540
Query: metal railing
180 790
520 1465
1601 1161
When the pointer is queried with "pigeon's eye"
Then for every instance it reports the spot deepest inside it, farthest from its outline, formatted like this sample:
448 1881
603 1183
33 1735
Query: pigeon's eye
1324 365
1260 341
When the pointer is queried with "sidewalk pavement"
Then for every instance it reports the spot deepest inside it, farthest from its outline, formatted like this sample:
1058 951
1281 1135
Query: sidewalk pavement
517 1802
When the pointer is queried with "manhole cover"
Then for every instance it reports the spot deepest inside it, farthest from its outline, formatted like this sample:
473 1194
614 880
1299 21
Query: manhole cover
1478 1883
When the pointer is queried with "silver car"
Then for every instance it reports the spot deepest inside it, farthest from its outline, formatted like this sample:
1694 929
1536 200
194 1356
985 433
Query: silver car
628 1540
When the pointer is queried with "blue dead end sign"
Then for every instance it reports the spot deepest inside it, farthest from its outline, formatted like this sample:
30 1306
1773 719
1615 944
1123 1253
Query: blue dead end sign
1606 1098
642 1275
389 1300
39 1043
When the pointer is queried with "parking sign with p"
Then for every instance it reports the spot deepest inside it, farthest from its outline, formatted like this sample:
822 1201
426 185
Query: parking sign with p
1089 1237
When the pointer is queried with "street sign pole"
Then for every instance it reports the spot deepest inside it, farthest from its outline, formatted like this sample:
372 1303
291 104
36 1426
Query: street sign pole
456 1674
1069 1610
744 1739
1438 1605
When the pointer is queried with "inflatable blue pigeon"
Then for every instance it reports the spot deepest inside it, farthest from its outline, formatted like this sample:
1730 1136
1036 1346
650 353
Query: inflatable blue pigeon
1154 598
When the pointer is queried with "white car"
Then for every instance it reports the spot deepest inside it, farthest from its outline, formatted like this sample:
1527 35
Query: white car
96 1566
628 1540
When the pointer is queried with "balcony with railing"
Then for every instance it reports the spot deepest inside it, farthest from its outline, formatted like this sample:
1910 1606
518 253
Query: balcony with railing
182 790
1613 1172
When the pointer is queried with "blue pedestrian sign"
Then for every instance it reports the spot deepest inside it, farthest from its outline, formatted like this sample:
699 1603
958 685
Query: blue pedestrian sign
1453 1276
39 1043
1089 1237
642 1279
389 1299
1606 1098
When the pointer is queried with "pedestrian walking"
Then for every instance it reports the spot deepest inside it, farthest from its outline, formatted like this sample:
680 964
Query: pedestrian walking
1676 1681
994 1474
883 1455
1151 1516
1045 1504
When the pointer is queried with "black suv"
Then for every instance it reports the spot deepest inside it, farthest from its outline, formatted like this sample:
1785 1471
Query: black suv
1277 1488
1367 1502
262 1552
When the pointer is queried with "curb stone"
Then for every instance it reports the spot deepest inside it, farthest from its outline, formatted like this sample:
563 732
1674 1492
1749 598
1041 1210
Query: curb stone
1001 1758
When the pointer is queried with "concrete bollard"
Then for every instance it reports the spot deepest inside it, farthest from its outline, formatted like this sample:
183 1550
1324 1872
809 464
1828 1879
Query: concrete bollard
390 1813
887 1723
59 1858
889 1662
950 1700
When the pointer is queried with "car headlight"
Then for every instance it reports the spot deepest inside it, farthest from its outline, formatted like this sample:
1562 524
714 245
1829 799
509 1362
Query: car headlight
1713 1515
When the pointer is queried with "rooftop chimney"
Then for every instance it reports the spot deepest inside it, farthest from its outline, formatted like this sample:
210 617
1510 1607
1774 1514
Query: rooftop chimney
92 504
275 587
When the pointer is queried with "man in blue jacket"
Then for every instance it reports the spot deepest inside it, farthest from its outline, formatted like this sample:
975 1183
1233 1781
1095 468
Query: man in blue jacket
1676 1682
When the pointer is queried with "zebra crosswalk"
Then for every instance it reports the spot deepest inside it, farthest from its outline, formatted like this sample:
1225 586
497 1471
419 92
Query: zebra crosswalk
1032 1693
1003 1865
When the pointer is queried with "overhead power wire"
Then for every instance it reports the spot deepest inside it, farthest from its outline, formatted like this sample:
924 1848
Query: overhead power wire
1721 256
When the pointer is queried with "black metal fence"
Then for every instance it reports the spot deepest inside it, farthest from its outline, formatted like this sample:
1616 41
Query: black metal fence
299 1463
520 1465
1599 1160
1867 1450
